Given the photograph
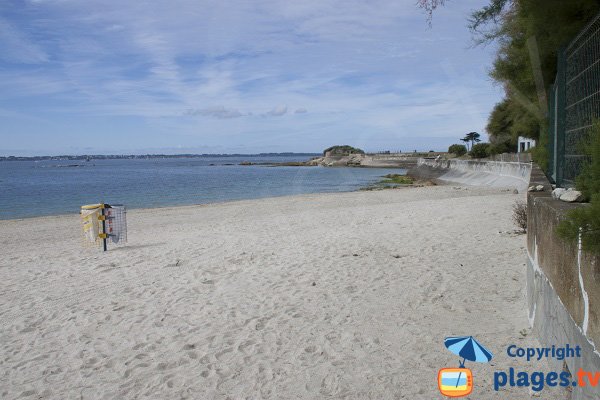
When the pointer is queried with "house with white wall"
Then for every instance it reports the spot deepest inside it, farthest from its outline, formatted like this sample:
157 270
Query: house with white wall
525 144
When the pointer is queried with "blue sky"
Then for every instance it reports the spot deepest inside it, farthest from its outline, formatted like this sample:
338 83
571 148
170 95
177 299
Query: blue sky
238 76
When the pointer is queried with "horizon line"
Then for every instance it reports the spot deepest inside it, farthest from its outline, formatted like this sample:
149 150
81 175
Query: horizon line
103 155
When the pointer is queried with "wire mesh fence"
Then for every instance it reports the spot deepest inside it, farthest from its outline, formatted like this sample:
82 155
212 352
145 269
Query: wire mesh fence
574 103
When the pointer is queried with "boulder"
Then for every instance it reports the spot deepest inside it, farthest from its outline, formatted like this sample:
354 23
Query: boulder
538 188
572 196
556 193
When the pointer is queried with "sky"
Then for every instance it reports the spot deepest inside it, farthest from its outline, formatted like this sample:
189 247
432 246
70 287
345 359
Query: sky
238 76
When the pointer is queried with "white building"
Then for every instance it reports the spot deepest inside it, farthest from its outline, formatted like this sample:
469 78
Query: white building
525 144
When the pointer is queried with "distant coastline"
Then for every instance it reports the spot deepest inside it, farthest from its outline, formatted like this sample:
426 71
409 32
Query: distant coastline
85 157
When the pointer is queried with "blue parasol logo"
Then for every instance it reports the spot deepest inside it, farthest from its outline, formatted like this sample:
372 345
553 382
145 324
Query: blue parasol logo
468 348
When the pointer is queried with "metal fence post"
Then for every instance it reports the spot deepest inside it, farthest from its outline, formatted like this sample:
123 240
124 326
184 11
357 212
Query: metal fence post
559 124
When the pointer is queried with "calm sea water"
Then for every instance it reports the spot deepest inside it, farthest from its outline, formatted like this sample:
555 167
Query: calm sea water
29 189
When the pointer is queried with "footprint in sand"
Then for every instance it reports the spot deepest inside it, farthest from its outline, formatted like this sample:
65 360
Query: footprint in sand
260 325
221 355
129 371
310 349
246 347
330 385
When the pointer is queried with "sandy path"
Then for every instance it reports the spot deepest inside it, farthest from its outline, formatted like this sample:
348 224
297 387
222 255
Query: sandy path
317 296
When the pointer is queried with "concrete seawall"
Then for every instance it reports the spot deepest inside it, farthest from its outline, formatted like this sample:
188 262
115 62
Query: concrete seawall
563 286
476 173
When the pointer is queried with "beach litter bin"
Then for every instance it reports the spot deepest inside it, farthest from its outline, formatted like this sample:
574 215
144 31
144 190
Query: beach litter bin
103 223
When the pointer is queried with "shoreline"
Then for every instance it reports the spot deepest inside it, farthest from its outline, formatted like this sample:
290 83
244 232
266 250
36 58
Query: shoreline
217 203
358 189
181 206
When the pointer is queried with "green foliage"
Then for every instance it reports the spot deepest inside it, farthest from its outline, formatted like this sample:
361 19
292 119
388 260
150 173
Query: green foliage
586 219
540 153
487 14
390 181
500 120
397 179
529 34
458 149
588 180
343 150
471 137
551 23
499 148
479 150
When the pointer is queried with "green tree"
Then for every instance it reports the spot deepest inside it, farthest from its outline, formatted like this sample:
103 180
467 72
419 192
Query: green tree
458 149
479 150
499 147
466 141
529 34
471 137
500 120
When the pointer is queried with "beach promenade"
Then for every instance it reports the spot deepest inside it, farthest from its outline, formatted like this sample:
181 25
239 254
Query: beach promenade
338 296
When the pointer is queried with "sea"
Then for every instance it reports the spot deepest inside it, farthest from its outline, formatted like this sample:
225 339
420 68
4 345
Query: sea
56 187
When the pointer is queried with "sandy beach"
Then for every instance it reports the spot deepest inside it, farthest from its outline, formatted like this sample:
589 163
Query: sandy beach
339 296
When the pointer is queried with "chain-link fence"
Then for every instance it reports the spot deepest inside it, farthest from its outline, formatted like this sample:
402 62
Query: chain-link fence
573 103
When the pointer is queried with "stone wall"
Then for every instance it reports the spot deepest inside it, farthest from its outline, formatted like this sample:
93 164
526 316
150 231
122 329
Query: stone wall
563 285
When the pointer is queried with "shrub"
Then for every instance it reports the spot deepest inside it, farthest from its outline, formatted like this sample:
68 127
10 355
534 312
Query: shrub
520 215
458 149
588 181
498 148
479 150
540 153
585 220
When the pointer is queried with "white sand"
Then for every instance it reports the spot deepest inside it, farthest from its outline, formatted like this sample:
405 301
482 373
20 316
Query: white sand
317 296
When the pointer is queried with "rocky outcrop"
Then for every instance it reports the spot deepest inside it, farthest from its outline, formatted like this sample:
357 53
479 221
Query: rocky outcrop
396 160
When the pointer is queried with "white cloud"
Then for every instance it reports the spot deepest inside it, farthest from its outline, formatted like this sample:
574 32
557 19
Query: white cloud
216 112
277 111
301 110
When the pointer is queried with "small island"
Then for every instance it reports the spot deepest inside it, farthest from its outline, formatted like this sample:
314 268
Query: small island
349 156
341 150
